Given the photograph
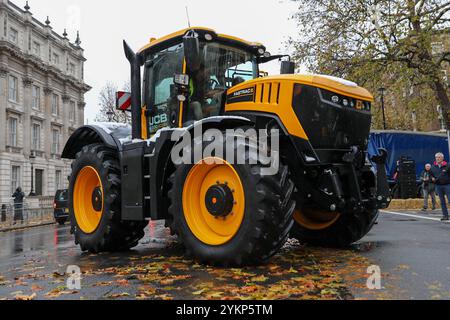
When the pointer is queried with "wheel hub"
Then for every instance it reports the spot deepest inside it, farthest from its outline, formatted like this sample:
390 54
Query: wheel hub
219 200
208 193
97 201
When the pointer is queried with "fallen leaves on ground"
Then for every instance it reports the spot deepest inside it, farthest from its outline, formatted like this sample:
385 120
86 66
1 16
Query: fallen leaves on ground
119 295
298 272
59 291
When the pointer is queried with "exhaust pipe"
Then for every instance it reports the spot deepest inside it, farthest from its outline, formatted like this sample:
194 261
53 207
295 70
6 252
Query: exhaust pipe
135 66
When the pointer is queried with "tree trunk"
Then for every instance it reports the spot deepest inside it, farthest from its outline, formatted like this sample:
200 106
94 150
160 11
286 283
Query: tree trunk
442 98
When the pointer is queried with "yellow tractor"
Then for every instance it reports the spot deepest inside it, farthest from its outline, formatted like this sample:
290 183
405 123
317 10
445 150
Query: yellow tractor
324 190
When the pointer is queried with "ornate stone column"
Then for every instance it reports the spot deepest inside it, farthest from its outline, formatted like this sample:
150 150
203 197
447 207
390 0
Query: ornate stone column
65 117
47 125
26 134
3 104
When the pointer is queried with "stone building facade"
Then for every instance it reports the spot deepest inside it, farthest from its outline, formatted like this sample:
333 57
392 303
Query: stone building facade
41 102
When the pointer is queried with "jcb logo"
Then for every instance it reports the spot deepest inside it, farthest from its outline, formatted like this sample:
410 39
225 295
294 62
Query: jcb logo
162 118
374 281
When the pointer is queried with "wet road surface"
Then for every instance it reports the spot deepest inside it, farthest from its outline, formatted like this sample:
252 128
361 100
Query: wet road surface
412 253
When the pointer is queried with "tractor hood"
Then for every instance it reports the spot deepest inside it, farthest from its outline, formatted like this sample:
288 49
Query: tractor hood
337 85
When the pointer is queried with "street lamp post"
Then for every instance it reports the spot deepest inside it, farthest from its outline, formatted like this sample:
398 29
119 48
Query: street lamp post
32 157
382 90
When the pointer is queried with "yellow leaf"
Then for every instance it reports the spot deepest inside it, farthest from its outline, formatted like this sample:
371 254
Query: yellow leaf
25 298
404 267
199 292
167 281
215 295
119 295
259 279
123 283
292 270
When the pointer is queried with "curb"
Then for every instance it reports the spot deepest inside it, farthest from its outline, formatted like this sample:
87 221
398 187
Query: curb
411 204
26 227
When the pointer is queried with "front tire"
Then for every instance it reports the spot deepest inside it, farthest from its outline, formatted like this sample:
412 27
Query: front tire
332 230
95 203
252 221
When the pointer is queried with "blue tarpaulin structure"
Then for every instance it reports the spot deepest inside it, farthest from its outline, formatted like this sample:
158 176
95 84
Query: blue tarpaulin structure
419 146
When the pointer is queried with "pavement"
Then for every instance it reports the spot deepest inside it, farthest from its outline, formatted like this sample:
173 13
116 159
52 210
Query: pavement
410 249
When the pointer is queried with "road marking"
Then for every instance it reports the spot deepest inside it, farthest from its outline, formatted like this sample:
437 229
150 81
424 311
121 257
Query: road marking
412 216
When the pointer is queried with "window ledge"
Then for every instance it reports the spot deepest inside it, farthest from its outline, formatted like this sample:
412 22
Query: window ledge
12 149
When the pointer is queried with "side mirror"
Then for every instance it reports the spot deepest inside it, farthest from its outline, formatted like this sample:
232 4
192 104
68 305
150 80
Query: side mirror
192 51
287 67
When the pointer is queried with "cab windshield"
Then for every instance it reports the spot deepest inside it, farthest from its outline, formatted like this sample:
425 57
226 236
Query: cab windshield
228 65
222 67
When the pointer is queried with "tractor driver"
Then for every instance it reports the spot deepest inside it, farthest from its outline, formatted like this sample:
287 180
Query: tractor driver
203 96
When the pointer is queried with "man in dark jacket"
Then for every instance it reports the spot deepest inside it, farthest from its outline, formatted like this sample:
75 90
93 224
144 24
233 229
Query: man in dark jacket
441 176
428 187
18 196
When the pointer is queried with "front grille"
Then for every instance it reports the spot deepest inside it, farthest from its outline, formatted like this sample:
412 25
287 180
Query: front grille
332 121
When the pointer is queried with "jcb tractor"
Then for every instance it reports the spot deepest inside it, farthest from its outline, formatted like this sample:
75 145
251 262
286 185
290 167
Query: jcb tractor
325 191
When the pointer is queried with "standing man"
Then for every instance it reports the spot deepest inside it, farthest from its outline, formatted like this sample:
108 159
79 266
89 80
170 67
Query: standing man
441 176
428 187
18 196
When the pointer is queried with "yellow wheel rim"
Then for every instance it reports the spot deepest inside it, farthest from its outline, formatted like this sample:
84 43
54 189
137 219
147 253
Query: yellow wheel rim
315 220
88 200
211 230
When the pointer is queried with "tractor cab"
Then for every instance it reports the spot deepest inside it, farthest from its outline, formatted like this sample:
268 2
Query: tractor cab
186 75
180 95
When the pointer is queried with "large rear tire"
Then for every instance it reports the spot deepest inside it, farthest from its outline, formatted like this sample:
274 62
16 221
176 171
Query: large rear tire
253 219
332 229
95 203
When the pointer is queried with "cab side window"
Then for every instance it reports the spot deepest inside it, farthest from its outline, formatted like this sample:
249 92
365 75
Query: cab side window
161 88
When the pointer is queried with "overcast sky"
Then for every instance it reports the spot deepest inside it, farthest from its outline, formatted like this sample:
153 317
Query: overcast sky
104 24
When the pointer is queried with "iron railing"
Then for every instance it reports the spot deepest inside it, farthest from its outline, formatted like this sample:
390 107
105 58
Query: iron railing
17 215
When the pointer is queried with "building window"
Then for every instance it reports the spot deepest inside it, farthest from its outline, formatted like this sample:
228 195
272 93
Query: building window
15 178
55 104
72 111
55 141
58 180
72 69
36 137
12 123
37 48
13 88
13 35
437 48
36 98
56 59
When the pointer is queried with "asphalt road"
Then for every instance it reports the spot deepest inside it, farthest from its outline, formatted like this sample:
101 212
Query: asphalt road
412 251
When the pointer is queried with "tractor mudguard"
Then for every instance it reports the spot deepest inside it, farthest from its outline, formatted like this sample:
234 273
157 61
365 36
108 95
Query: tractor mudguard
110 134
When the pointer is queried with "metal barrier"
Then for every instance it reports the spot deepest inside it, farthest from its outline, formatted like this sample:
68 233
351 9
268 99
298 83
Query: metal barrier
36 212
